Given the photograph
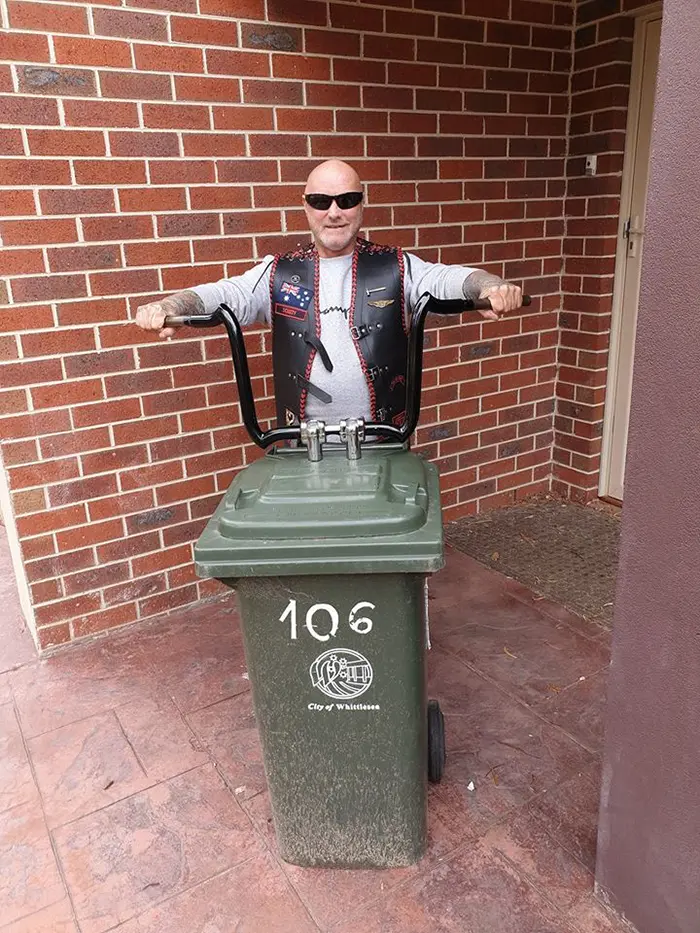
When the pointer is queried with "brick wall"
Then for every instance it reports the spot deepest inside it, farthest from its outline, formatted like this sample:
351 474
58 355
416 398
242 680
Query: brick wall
155 144
599 95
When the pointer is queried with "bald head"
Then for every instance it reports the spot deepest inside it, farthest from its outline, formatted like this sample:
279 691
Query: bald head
334 229
333 177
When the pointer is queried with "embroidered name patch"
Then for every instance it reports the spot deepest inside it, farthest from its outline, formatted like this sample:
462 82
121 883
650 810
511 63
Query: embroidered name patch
297 314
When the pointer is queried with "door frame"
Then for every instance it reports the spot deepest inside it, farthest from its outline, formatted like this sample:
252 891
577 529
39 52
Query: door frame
642 17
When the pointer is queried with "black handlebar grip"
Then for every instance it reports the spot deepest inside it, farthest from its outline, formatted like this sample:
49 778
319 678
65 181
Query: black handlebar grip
460 305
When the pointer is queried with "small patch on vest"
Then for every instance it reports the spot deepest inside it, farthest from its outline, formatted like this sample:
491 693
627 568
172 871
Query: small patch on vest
289 417
297 314
382 303
296 279
296 296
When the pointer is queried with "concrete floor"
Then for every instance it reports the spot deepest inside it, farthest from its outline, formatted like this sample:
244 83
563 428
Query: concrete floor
133 797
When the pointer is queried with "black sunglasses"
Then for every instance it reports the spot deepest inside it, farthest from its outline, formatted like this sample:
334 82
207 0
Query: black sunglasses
321 202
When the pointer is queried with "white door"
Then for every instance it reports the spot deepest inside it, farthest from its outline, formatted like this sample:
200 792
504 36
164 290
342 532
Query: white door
629 256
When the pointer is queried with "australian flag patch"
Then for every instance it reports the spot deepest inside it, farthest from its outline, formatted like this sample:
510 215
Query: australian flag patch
295 301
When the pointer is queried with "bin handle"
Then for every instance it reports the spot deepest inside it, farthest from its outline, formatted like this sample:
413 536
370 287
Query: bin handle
425 305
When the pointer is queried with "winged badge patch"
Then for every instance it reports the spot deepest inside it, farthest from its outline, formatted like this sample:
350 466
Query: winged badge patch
381 303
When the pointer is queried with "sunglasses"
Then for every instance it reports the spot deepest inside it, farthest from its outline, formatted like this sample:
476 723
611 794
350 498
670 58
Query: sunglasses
321 202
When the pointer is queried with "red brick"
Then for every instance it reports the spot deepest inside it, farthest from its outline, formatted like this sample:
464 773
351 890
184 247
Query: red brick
11 142
145 430
67 393
37 547
176 116
222 248
414 75
273 92
164 252
41 474
136 85
360 18
20 452
181 171
38 232
272 38
130 25
200 31
48 288
49 521
24 47
134 589
403 22
342 146
100 113
214 144
180 400
21 261
109 171
12 403
151 199
18 172
144 281
99 52
118 228
16 203
332 95
151 475
76 201
168 600
60 564
110 460
148 144
74 258
315 121
168 58
124 504
106 412
61 445
328 42
187 490
440 100
46 17
75 82
108 361
163 559
310 68
278 144
249 64
213 89
240 118
95 579
104 620
66 609
245 9
312 12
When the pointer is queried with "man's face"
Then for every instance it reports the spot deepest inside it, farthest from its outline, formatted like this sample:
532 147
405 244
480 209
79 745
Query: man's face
334 230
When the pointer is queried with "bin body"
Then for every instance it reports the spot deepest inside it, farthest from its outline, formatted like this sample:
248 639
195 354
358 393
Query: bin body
330 562
342 718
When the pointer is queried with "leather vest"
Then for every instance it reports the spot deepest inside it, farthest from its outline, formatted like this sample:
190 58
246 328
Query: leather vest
376 322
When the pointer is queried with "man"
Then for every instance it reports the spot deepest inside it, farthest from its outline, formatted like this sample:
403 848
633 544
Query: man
339 308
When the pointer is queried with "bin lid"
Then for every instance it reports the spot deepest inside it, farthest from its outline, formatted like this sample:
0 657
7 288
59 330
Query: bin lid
287 515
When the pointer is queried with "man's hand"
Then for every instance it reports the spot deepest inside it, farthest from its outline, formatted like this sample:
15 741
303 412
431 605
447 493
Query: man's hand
152 316
504 298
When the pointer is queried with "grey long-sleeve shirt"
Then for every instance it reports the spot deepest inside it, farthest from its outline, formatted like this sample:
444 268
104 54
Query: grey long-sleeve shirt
249 296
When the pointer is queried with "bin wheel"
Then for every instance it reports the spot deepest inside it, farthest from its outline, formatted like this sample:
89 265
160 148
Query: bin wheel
436 742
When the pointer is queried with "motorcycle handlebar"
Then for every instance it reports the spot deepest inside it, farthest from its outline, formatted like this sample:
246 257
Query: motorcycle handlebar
425 305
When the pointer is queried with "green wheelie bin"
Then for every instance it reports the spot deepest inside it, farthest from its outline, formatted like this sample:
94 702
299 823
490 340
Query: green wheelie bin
329 547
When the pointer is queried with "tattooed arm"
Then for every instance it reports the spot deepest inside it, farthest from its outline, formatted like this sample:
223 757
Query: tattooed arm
503 295
152 316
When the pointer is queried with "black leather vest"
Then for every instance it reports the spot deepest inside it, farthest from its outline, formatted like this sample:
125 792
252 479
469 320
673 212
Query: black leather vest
376 323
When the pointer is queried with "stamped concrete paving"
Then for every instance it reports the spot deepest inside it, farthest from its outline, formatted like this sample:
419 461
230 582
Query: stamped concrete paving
132 794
